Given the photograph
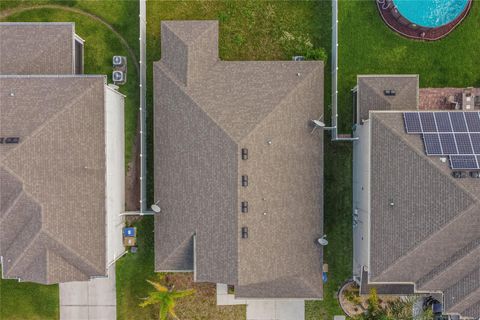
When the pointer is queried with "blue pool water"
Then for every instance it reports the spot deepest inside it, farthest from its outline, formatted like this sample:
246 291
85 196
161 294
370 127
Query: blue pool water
430 13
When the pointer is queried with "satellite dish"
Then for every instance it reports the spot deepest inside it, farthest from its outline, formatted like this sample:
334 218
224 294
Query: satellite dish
323 240
318 123
155 207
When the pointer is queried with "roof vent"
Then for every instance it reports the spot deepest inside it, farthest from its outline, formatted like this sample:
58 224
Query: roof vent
244 232
389 92
244 206
244 180
244 153
391 203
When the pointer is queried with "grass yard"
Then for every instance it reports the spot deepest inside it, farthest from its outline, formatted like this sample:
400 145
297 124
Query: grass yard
368 46
22 301
29 300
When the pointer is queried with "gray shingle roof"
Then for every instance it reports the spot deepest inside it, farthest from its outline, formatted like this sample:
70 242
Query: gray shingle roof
431 235
371 93
37 48
206 111
52 209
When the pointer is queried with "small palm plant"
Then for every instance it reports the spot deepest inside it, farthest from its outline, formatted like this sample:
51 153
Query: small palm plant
166 298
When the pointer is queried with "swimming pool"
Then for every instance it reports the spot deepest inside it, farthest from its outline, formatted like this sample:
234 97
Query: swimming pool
430 13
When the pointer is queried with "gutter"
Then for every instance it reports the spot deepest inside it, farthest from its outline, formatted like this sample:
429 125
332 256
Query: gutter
334 128
143 107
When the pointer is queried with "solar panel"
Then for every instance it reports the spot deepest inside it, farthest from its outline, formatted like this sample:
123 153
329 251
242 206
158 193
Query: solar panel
473 121
464 145
412 122
455 134
443 122
432 144
447 141
458 122
428 122
463 162
475 137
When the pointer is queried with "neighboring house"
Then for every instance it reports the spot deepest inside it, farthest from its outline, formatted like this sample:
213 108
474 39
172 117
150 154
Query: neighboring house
238 171
40 48
61 170
416 226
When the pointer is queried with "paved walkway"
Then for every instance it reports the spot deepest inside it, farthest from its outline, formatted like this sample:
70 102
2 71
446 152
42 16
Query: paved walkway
89 300
275 310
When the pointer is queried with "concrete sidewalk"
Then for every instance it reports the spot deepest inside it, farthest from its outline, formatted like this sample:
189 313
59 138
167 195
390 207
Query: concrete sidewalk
89 300
275 309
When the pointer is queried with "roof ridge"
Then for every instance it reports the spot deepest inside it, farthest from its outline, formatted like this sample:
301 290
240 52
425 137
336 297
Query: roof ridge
285 97
35 132
422 154
14 202
199 35
415 248
188 238
22 254
451 261
70 250
458 300
159 64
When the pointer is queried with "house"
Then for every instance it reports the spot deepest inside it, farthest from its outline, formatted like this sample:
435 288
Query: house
238 170
415 223
61 166
40 48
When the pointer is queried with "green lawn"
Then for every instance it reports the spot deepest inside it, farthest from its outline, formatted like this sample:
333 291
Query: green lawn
33 301
22 300
368 46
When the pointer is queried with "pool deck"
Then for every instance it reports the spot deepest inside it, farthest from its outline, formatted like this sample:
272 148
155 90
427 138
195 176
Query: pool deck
392 17
438 98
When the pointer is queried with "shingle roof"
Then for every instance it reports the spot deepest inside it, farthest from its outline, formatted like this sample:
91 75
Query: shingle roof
371 95
37 48
52 204
206 111
431 235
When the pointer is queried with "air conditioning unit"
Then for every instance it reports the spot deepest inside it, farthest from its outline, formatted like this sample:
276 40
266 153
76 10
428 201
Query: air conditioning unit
119 77
119 61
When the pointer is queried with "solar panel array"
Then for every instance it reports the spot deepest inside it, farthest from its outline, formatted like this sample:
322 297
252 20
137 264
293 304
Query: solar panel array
453 134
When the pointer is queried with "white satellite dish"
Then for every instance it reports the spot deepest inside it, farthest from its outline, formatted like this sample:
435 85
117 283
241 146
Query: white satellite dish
318 123
155 207
323 240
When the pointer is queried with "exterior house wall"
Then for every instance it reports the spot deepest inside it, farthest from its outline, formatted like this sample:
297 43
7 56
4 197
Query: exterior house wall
361 193
115 172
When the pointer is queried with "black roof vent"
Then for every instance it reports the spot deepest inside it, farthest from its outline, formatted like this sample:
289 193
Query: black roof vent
244 206
244 180
244 232
389 92
244 153
9 140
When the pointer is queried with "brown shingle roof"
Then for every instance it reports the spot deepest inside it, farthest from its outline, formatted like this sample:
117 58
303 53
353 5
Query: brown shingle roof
52 210
371 93
430 236
37 48
206 111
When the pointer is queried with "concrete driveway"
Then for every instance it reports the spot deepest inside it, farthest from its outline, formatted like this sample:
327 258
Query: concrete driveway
275 310
89 300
